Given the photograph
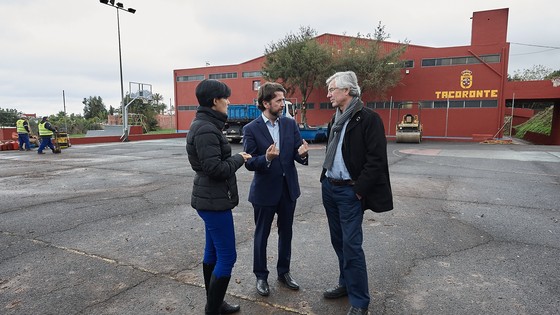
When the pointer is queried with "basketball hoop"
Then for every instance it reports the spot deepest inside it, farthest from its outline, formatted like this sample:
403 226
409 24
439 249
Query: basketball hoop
555 82
142 91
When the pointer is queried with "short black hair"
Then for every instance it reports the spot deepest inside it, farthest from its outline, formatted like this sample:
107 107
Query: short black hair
207 90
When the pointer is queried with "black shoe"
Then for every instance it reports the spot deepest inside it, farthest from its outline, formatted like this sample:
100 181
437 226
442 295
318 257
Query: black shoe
262 287
357 311
226 308
336 292
288 281
216 292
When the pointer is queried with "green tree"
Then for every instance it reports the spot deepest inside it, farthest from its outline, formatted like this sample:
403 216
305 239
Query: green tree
298 62
74 124
94 107
552 75
380 34
8 117
537 72
377 69
156 97
144 111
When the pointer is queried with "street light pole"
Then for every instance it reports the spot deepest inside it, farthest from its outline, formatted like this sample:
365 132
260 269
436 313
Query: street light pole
120 6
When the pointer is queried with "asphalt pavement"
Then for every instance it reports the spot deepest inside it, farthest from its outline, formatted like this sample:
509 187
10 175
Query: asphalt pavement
108 229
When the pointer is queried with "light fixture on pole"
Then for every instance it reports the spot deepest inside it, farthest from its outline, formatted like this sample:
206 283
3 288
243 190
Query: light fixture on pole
119 6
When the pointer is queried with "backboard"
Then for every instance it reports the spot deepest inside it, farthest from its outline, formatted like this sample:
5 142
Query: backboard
140 90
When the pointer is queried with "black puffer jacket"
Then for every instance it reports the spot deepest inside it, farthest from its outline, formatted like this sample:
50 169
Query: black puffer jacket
215 184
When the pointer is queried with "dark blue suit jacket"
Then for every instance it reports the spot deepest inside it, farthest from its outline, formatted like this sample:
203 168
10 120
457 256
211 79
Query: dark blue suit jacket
266 188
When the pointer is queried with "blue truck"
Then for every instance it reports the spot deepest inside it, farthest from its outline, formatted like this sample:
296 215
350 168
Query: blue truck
241 114
238 116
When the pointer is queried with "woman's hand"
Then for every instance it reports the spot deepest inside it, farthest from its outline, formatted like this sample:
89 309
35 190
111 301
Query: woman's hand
245 155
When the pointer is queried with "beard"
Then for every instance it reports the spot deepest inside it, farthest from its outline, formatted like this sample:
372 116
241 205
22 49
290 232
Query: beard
276 113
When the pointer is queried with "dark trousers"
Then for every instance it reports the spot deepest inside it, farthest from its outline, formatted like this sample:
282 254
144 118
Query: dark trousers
264 215
345 216
220 241
45 142
23 138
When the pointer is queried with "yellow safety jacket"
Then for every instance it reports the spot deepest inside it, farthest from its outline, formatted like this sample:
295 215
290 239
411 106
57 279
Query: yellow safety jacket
43 132
20 126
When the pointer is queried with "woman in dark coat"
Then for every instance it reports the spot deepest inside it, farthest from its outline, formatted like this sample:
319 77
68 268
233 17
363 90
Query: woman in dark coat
214 192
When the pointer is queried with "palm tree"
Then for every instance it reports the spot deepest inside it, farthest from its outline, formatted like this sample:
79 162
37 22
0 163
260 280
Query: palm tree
156 97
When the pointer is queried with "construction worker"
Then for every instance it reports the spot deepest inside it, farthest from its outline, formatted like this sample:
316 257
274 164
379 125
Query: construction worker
23 133
46 131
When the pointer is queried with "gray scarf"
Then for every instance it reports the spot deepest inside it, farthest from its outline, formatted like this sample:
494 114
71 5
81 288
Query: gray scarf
336 128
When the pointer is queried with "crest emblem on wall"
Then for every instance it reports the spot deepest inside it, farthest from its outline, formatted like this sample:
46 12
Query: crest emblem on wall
466 79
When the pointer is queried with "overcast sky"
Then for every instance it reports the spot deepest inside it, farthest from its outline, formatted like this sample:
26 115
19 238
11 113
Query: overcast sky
72 45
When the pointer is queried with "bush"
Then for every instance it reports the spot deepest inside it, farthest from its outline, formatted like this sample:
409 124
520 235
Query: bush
540 123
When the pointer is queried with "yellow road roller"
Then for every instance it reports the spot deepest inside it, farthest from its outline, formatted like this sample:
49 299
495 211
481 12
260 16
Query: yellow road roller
409 129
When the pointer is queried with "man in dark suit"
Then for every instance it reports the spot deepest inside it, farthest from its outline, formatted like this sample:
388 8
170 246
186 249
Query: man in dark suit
355 177
274 142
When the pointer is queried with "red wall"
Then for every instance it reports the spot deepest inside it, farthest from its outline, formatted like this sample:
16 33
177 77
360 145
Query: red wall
418 84
131 137
488 27
6 133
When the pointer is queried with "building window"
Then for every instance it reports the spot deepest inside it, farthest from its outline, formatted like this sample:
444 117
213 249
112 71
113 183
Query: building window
459 61
489 103
326 105
408 64
251 74
459 104
186 107
491 58
184 78
440 104
472 104
433 62
370 105
456 104
472 61
404 104
426 104
218 76
309 105
443 62
428 62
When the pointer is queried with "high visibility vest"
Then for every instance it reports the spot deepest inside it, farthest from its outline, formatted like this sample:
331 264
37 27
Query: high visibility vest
20 127
44 131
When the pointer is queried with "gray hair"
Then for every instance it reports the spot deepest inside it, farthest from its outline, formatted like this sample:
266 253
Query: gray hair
346 80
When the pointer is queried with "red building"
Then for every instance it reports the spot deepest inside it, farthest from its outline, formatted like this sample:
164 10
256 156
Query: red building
463 91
